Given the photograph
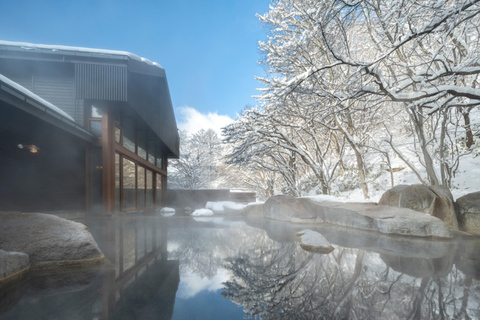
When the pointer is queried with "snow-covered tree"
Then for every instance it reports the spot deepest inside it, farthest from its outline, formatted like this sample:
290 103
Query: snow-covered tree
348 57
197 167
350 82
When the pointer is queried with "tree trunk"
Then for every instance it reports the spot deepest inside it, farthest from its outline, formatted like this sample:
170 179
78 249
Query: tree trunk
443 169
417 119
468 129
362 174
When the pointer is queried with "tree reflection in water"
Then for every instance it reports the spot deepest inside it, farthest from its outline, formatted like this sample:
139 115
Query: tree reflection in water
262 267
274 280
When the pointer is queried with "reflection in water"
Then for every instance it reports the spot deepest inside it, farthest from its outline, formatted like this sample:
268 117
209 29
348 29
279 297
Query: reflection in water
141 282
282 281
215 268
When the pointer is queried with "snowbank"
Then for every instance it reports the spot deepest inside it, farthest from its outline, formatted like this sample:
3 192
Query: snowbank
167 212
202 212
222 206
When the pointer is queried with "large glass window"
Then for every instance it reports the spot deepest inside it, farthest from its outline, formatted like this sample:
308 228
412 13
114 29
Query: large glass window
118 135
134 185
159 161
149 188
128 184
142 144
140 187
129 134
158 194
151 151
96 127
96 112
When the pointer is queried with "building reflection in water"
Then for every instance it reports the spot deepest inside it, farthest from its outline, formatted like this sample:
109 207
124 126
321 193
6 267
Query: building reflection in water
140 281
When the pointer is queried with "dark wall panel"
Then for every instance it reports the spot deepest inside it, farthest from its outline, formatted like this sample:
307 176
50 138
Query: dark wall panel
59 91
52 179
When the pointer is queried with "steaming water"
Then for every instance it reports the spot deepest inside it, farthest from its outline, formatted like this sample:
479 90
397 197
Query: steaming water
219 268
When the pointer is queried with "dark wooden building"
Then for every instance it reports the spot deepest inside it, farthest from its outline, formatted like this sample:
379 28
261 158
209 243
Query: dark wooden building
83 130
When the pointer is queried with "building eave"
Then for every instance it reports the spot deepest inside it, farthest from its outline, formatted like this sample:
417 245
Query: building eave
34 105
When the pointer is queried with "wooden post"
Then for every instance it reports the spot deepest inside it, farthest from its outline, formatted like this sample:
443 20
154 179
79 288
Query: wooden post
108 159
164 183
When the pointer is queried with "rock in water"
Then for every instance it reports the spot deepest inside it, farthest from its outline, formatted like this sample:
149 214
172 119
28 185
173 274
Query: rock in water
202 212
287 208
469 212
167 212
436 201
12 264
48 239
254 210
314 242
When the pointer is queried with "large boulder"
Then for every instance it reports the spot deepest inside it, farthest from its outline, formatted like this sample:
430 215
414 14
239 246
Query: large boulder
436 201
12 265
287 208
384 219
469 212
48 239
365 216
254 210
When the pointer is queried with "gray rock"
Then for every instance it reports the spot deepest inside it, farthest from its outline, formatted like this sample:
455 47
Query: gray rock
314 242
469 212
417 197
435 200
287 208
384 219
12 264
47 239
254 210
366 216
444 206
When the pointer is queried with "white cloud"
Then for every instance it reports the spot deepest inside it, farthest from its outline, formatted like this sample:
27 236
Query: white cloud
191 284
192 120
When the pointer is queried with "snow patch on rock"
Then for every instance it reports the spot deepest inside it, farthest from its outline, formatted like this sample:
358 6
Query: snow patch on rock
167 212
222 206
202 212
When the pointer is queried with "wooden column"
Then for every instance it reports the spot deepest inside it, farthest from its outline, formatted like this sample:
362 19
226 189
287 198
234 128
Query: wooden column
108 159
164 183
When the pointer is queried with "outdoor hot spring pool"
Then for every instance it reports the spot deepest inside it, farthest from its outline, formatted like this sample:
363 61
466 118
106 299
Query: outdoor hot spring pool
229 268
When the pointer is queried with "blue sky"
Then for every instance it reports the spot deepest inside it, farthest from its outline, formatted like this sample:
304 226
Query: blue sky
208 48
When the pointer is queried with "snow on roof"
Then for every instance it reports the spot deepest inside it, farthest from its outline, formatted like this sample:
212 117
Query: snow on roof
77 50
33 96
